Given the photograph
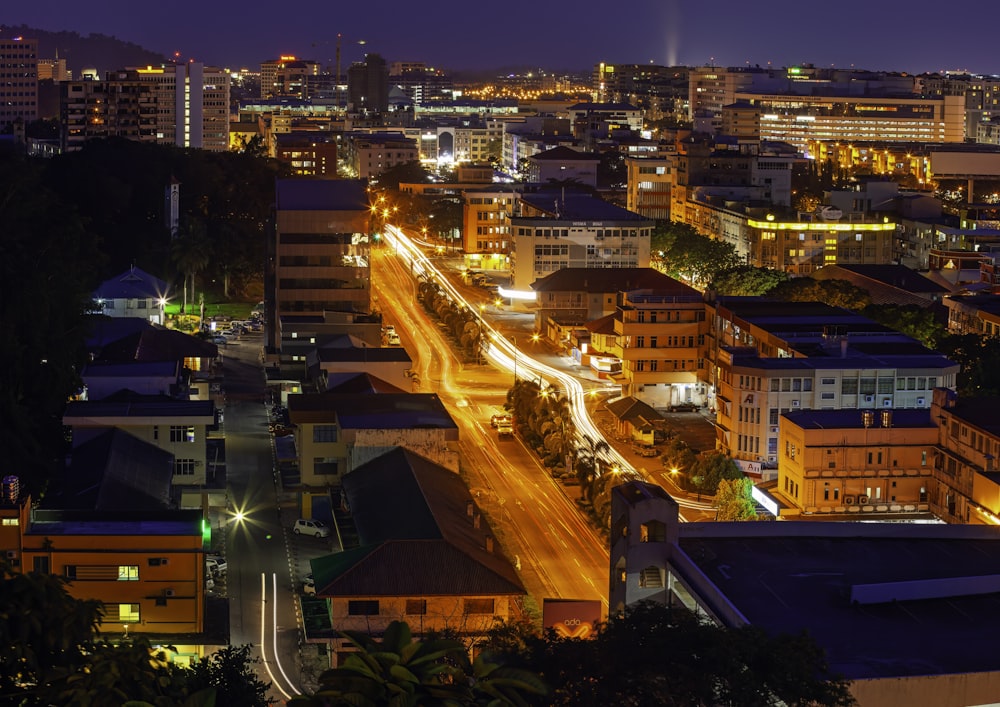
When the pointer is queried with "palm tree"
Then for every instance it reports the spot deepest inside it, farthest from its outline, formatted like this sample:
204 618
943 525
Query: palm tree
400 672
190 251
587 461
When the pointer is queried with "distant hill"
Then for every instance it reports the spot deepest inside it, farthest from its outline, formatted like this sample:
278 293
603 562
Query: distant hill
95 51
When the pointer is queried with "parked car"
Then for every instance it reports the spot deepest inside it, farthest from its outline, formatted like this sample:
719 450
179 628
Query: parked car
311 526
309 585
215 565
645 450
220 340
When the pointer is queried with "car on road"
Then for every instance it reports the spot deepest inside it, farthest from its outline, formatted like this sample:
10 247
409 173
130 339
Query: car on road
311 526
501 417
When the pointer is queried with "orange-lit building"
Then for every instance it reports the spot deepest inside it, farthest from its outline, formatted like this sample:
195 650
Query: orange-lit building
146 566
856 462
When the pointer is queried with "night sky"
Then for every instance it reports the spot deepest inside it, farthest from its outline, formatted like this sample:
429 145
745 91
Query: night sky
914 36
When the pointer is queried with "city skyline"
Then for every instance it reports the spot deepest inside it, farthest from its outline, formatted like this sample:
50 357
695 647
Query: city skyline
452 37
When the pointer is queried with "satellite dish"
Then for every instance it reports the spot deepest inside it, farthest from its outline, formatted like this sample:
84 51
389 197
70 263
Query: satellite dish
831 213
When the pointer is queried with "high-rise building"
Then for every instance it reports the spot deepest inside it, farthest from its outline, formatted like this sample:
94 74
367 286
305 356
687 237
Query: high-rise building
368 84
180 104
18 81
320 263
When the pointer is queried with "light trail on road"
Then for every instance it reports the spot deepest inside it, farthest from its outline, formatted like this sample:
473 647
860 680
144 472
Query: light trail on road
504 354
274 635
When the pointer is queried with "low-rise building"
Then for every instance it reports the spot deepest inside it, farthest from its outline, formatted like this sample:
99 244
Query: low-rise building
660 340
856 461
335 433
179 427
877 598
425 554
965 468
771 357
134 293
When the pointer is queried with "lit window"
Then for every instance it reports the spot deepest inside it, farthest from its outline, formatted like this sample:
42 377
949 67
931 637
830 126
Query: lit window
128 573
128 613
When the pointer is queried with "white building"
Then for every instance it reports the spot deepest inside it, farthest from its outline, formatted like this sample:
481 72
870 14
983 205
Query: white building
556 229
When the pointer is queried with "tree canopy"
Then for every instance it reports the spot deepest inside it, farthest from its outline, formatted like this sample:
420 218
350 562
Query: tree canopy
838 293
684 254
658 655
747 281
913 320
733 500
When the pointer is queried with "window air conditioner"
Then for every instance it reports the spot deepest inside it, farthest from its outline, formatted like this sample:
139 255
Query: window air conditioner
795 403
920 401
869 398
169 592
848 500
862 500
887 403
774 430
12 554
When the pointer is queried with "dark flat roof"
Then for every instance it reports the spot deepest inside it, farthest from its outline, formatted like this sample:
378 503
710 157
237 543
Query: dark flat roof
140 408
611 280
836 419
322 194
366 411
799 577
576 207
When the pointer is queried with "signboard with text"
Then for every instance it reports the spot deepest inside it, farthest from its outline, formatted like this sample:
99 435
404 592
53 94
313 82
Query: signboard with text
571 618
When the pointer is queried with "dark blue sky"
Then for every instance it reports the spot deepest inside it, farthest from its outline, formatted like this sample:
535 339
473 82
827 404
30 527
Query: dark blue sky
915 36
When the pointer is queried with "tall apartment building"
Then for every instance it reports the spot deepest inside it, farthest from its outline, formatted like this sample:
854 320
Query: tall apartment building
18 81
178 104
555 229
421 84
198 114
321 261
287 77
120 106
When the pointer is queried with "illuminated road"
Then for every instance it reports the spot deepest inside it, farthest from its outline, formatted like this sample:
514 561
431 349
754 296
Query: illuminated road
261 604
541 529
505 355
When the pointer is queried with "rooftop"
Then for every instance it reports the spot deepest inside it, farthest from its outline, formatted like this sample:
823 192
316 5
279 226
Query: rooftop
608 280
845 584
416 535
366 411
573 206
322 194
